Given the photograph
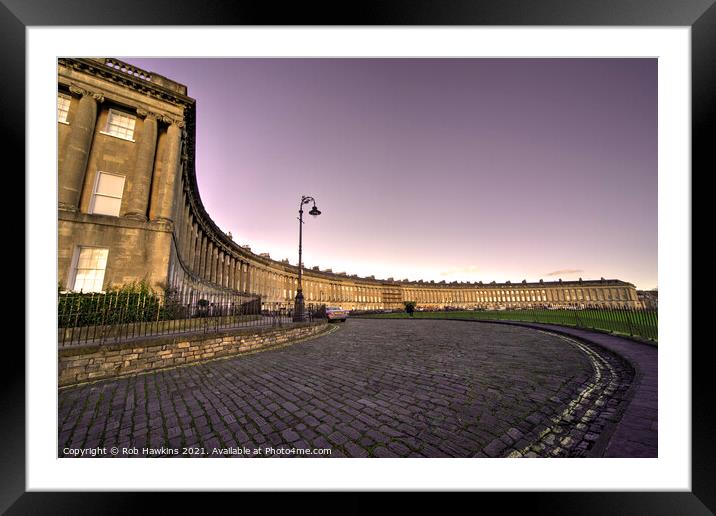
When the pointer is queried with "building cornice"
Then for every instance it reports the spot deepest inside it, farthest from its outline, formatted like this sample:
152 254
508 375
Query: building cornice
101 69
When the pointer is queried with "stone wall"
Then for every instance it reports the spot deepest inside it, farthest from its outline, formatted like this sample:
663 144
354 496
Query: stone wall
78 365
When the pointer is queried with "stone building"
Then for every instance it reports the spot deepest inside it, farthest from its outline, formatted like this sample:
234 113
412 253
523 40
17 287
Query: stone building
129 210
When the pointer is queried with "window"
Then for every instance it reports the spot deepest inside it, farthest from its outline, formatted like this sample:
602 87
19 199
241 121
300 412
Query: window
63 107
120 125
107 197
89 271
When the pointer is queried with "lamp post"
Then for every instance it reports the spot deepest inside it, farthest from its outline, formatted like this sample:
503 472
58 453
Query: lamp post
298 315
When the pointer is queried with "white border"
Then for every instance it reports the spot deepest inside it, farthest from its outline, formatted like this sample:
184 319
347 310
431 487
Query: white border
670 471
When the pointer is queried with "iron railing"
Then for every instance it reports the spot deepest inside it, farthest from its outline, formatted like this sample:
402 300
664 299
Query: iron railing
109 318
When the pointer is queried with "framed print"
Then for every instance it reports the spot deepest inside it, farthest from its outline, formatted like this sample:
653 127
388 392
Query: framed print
526 169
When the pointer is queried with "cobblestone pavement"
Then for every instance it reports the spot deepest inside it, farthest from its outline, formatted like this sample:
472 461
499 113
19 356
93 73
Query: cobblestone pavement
373 388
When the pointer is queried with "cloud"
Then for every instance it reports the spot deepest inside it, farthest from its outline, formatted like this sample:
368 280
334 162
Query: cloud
460 270
564 272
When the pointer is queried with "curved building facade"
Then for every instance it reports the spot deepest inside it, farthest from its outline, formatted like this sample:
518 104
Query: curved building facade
129 210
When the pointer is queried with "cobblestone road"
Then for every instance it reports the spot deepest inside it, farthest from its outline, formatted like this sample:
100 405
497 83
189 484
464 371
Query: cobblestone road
373 388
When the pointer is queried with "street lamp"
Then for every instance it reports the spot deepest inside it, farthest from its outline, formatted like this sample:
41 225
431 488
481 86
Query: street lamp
298 315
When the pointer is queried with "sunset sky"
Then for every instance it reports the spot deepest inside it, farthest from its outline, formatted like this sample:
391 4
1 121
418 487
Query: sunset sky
434 169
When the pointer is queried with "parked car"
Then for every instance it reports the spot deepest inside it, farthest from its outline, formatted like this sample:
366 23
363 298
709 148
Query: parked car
334 313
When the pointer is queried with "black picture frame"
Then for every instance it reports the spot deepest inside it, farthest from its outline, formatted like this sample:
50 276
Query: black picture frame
700 15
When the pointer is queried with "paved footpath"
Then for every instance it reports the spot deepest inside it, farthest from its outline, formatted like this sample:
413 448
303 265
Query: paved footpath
378 388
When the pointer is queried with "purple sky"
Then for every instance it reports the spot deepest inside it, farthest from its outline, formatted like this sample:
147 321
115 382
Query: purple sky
443 169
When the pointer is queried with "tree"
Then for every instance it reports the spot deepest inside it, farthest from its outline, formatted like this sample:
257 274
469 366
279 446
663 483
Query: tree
409 307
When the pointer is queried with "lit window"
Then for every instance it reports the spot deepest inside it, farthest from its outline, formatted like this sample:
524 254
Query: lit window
63 107
120 125
89 272
107 197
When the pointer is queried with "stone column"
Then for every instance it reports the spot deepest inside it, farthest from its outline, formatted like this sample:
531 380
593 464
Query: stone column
203 262
166 179
180 234
199 251
186 232
219 266
190 243
71 173
241 277
189 240
209 258
227 271
196 247
138 200
231 276
212 262
237 274
226 278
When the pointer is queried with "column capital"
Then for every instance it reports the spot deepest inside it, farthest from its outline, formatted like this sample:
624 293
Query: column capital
148 114
86 93
178 122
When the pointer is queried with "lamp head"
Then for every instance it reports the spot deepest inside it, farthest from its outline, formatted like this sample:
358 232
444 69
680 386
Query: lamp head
314 211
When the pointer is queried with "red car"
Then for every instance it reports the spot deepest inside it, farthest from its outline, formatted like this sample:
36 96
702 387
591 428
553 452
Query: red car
336 314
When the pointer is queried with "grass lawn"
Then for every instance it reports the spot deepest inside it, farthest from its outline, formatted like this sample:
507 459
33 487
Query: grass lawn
637 323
